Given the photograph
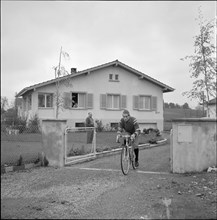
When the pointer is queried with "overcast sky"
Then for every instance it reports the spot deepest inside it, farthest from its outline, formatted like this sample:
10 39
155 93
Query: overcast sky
150 37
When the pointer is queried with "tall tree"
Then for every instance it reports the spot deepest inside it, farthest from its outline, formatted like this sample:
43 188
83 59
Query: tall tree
4 104
166 105
61 74
203 63
172 105
185 106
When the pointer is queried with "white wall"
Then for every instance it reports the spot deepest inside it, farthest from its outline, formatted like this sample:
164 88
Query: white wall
212 111
97 83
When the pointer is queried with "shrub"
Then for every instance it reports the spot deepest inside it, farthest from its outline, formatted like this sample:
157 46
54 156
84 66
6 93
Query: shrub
109 128
34 124
99 125
151 130
20 124
76 151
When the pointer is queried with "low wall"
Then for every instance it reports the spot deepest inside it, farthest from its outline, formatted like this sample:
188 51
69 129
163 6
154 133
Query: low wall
193 144
53 141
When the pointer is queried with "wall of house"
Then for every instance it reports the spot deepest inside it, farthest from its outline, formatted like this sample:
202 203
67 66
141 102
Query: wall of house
212 111
97 83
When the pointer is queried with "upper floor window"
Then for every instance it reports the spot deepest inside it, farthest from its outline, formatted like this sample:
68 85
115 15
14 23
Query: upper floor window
45 100
116 77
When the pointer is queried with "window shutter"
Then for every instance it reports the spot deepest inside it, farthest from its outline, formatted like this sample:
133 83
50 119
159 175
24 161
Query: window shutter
103 101
89 100
135 102
123 101
154 103
67 100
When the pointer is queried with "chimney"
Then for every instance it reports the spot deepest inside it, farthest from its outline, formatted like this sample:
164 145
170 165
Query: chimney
73 70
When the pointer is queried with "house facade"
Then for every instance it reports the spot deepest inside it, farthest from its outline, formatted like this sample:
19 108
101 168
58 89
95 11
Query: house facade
212 108
104 90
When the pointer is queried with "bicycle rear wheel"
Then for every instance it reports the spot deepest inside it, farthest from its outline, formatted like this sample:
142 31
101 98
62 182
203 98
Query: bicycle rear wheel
125 160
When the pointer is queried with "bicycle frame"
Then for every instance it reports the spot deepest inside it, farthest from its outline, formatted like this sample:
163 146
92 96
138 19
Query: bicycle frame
127 154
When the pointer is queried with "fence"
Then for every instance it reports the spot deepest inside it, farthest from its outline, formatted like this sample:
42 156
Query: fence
26 143
20 145
80 144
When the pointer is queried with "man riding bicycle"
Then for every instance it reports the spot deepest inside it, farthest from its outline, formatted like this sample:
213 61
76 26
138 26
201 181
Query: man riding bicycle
129 124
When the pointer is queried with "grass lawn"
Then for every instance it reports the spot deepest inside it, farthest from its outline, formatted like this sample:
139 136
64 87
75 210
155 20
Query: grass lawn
30 145
76 142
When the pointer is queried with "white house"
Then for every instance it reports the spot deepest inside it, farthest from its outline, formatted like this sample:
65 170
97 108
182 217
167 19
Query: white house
105 90
212 108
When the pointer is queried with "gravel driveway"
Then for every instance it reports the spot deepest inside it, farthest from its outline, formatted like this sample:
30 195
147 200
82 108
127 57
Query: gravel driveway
82 191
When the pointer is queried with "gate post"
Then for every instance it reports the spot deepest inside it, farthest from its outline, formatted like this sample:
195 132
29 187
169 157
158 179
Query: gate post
53 141
193 145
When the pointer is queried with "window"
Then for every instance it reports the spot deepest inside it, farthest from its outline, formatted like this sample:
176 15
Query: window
78 100
79 124
45 100
145 102
114 125
115 79
113 101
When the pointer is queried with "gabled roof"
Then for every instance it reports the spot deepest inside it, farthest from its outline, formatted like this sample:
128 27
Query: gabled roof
113 63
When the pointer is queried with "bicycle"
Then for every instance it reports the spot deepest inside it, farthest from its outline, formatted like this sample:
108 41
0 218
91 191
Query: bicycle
127 154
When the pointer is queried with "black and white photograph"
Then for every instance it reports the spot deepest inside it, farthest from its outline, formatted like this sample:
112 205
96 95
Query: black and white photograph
108 109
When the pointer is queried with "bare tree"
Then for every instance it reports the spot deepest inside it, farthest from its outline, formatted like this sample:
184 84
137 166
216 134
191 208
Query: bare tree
203 63
61 74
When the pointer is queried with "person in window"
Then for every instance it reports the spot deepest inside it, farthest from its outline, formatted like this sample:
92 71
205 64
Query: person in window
89 122
129 124
74 104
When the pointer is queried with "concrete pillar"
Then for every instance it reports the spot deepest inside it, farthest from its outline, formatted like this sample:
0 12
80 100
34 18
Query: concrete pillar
193 144
53 141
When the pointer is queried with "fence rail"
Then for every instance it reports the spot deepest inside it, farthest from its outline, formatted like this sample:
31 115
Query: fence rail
80 144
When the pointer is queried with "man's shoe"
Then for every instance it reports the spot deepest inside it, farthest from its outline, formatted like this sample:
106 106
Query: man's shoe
136 164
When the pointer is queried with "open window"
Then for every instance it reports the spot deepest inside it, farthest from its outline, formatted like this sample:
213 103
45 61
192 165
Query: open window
78 100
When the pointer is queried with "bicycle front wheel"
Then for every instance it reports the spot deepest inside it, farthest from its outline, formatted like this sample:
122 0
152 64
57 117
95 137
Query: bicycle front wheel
125 160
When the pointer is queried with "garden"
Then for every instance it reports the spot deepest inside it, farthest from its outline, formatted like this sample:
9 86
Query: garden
26 146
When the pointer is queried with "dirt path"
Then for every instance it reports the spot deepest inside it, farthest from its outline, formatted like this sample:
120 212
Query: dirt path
75 192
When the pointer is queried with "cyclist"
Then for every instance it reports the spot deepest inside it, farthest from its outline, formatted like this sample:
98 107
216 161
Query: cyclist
129 124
